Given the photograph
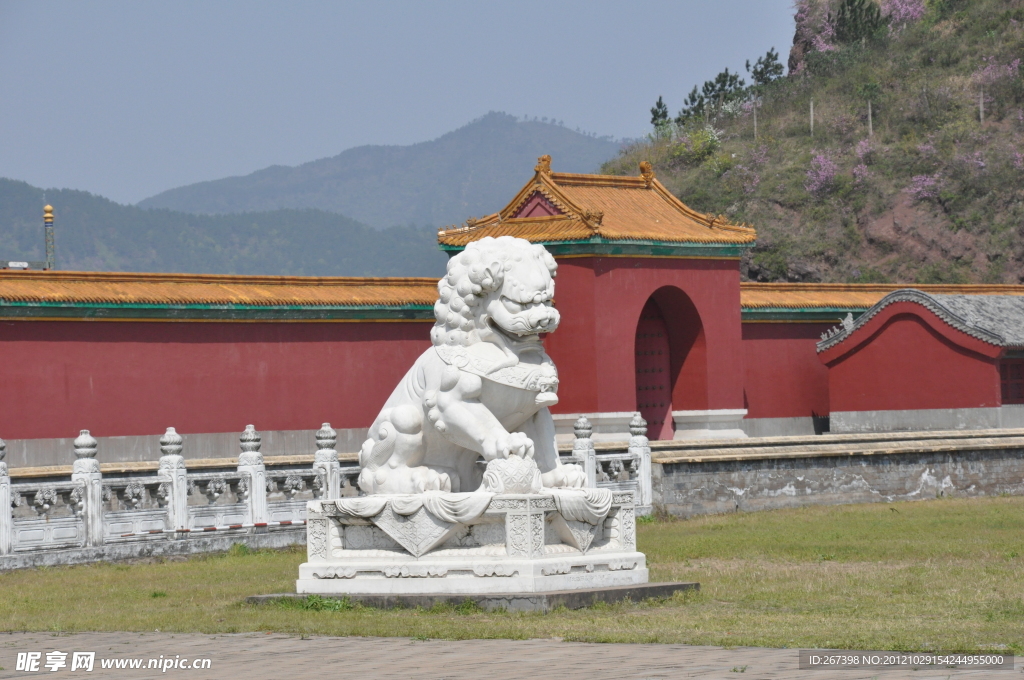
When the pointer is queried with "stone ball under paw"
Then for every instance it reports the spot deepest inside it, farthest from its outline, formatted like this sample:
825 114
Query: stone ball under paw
512 475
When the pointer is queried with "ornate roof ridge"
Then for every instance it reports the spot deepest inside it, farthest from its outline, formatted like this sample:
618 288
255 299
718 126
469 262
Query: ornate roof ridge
625 181
707 219
65 276
950 318
543 184
933 288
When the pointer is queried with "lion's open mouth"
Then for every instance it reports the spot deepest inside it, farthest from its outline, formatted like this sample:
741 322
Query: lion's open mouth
526 336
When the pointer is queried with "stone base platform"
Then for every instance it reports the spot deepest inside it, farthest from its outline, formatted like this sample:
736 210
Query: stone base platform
513 602
461 574
472 544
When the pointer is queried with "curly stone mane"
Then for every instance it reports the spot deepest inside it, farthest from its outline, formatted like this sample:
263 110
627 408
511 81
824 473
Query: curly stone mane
473 275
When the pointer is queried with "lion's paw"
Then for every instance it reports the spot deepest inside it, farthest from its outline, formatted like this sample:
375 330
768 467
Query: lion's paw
425 479
566 476
508 444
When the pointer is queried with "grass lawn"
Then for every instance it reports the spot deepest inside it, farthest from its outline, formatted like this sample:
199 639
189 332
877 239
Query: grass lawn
941 574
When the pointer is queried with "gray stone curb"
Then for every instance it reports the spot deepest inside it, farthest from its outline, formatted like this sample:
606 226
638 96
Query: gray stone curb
516 602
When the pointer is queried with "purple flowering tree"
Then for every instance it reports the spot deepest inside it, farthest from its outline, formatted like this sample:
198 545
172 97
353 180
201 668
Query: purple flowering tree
821 176
925 187
902 13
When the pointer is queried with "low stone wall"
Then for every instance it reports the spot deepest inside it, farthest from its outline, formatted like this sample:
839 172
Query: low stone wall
209 445
1009 416
788 472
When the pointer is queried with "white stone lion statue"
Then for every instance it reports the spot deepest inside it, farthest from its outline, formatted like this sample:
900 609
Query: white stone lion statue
485 386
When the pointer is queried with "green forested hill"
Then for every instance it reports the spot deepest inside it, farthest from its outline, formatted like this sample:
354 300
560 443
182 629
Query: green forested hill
469 172
930 190
95 234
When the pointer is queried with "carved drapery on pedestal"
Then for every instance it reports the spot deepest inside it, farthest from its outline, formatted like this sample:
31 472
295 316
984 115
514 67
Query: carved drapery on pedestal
473 542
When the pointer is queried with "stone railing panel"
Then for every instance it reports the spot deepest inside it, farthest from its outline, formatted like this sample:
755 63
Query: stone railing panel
48 520
619 470
49 534
6 517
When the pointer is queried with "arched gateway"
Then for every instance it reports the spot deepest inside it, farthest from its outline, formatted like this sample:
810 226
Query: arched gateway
654 372
670 360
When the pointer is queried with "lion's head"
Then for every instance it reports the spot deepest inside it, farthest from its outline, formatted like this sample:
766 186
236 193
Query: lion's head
498 285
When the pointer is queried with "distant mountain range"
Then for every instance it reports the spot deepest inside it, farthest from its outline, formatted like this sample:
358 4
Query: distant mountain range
369 211
470 172
96 234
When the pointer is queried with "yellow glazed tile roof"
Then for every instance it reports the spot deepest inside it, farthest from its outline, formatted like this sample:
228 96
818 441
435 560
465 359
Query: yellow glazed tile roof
208 289
606 206
849 295
272 291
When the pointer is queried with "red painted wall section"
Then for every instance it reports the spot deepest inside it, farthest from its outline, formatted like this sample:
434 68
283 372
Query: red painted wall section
907 358
784 377
132 378
600 299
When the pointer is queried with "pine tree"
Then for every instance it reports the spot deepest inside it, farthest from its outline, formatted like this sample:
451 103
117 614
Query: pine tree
857 19
766 68
659 114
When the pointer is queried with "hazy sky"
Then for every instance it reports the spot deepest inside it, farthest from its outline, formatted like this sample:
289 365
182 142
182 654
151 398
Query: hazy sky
127 99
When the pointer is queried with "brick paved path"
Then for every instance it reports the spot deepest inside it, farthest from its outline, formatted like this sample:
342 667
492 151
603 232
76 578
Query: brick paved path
275 657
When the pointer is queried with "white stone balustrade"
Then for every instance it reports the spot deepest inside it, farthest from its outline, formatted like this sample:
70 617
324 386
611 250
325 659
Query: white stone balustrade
176 510
173 473
640 451
325 462
171 510
87 478
583 450
6 519
618 470
250 464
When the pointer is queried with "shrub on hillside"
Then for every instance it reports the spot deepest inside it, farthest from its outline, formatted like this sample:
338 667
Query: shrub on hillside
925 187
696 146
821 176
902 13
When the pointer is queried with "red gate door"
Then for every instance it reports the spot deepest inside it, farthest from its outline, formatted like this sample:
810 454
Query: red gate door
653 377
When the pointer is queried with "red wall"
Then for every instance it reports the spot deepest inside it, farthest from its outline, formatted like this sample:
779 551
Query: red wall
600 299
906 358
784 377
137 378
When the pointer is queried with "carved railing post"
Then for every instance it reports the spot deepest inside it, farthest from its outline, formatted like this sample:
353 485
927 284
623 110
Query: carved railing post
6 518
640 449
174 475
325 462
583 449
250 463
86 474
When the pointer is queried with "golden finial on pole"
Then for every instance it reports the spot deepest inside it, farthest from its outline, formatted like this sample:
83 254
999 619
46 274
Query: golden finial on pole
51 257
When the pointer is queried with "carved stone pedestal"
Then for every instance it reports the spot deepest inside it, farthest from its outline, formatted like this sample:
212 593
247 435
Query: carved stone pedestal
472 543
